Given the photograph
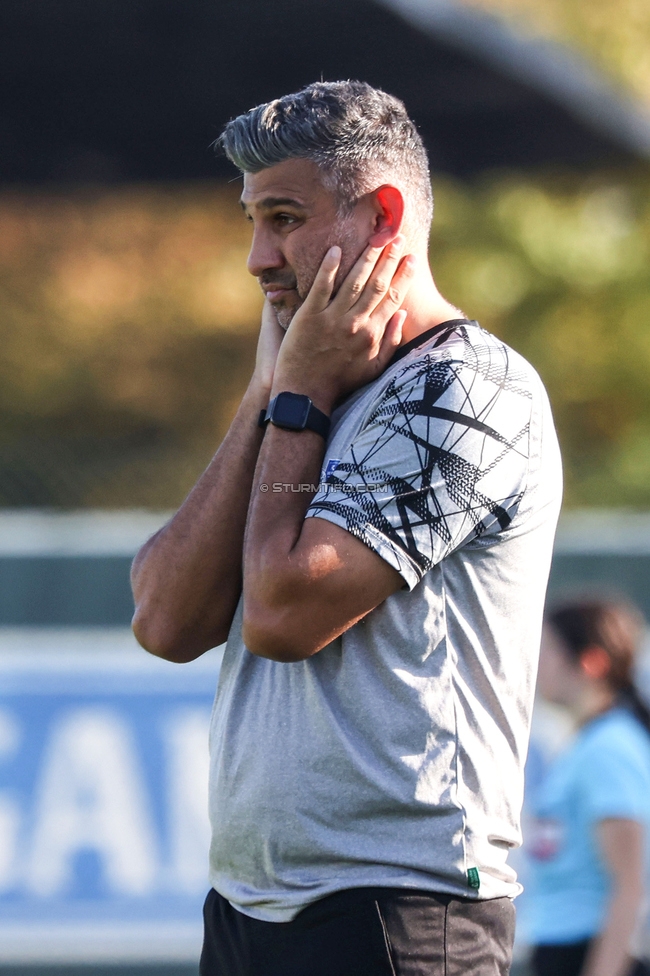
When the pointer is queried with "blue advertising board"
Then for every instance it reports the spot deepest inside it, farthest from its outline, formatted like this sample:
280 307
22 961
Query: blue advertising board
103 798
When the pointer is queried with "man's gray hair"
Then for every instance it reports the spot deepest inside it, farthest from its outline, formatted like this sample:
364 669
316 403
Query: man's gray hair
359 136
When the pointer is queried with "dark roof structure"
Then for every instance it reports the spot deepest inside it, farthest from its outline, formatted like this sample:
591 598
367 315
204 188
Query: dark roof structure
112 90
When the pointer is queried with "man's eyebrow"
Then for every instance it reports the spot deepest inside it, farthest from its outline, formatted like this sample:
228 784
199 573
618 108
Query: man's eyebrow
268 203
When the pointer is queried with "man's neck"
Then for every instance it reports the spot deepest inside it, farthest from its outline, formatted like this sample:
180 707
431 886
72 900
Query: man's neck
425 305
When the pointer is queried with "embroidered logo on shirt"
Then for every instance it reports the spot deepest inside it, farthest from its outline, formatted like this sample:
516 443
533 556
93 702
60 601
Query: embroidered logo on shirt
473 879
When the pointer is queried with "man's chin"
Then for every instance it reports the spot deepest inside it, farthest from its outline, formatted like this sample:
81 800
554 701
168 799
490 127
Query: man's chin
285 314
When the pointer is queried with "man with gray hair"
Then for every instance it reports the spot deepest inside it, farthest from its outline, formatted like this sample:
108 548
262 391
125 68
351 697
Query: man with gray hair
373 538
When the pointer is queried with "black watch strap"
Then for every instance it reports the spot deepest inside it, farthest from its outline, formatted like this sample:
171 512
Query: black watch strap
318 421
295 411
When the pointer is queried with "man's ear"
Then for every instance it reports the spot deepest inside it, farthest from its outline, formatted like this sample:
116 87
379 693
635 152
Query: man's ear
388 204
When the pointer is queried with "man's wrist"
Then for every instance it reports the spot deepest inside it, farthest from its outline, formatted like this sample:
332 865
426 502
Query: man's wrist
259 389
322 398
296 412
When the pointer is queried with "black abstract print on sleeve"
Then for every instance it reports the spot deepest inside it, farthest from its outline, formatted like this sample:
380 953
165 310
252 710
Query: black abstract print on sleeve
441 459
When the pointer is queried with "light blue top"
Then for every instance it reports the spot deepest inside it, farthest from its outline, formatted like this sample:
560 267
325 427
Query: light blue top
604 773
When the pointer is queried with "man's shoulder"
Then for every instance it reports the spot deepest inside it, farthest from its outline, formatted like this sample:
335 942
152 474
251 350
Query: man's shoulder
465 347
464 366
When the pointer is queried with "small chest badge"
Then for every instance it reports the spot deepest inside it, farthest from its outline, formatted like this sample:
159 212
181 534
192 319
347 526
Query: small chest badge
330 467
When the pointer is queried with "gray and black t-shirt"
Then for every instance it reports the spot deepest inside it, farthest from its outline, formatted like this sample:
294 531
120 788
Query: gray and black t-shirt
394 756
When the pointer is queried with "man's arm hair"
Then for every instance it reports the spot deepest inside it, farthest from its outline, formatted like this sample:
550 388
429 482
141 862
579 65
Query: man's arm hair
187 578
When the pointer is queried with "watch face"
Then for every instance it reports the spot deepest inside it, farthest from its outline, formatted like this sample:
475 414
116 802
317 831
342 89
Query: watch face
290 410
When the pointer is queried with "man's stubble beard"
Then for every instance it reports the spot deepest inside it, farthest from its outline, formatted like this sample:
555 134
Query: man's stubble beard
345 236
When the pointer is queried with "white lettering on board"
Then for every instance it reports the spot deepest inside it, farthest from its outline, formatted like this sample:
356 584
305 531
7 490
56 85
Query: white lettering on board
91 796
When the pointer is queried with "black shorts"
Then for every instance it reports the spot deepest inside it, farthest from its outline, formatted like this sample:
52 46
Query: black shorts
363 932
567 959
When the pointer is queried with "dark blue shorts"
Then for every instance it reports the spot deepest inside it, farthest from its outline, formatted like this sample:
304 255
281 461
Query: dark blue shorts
363 932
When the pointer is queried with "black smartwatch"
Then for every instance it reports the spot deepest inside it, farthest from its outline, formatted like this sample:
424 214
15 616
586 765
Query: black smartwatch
294 411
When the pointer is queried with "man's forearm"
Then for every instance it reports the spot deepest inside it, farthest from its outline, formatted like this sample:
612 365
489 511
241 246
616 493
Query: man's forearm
187 578
271 563
306 581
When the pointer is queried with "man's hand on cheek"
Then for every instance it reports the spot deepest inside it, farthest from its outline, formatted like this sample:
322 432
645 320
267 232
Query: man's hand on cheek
336 345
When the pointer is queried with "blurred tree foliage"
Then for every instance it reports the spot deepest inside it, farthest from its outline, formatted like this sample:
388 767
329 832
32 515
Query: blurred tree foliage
557 265
614 34
128 326
127 322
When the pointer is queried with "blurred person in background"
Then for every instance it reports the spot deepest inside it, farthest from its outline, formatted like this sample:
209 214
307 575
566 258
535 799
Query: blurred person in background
375 547
589 835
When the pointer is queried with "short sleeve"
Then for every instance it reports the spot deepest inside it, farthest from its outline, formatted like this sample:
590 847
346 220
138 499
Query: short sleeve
616 781
441 460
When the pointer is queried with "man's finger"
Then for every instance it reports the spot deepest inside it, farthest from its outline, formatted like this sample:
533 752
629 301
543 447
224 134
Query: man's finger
380 280
357 277
397 290
320 292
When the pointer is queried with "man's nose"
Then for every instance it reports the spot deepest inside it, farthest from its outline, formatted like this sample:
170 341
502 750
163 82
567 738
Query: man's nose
264 254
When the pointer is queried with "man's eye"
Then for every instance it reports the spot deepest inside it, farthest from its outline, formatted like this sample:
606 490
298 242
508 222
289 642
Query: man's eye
284 218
